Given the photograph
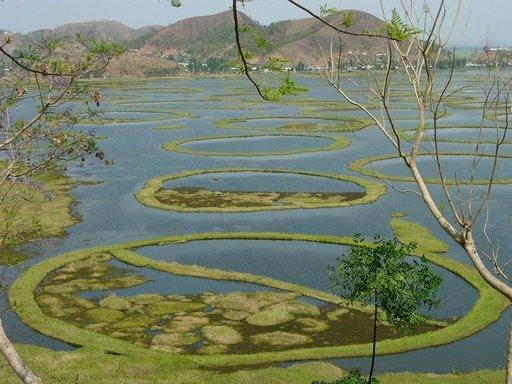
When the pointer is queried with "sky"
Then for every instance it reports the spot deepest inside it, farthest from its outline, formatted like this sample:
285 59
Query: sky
480 20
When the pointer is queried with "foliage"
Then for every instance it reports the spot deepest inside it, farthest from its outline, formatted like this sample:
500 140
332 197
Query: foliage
288 87
353 377
397 29
382 276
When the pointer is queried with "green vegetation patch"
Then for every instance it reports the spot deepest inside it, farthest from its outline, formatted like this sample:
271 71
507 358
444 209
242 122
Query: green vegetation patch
362 166
104 119
221 334
281 339
93 366
270 317
337 124
177 146
487 309
169 127
51 216
410 135
192 199
409 232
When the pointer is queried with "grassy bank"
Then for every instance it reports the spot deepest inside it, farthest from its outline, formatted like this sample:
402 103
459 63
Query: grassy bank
87 366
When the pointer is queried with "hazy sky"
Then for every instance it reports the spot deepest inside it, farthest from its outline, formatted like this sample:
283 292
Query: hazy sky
480 20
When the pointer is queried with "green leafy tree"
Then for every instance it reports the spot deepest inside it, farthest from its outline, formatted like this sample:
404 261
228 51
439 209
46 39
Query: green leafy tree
353 377
380 275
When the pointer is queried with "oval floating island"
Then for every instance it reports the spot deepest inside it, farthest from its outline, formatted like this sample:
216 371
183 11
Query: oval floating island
307 124
377 167
69 297
230 190
250 145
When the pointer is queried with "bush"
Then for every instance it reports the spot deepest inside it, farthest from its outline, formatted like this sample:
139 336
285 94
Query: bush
353 377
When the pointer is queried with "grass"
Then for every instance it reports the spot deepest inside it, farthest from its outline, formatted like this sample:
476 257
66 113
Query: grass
169 127
148 194
488 308
221 334
345 124
177 146
409 232
165 115
52 215
281 339
361 166
89 366
270 317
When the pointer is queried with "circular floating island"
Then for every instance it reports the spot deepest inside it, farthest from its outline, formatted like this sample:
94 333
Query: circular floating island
95 298
454 162
247 190
307 124
459 134
130 117
276 145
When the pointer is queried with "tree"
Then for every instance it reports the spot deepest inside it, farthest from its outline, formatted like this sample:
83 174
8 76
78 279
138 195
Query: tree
46 78
353 377
381 276
416 38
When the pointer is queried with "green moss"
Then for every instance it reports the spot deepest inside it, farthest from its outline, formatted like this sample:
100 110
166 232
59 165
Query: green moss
116 303
361 166
186 323
213 349
221 334
105 315
132 323
146 298
247 302
336 314
297 308
311 325
281 339
176 339
337 143
165 307
270 317
235 315
200 200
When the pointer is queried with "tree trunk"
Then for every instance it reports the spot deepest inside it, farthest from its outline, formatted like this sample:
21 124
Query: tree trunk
370 376
15 361
509 356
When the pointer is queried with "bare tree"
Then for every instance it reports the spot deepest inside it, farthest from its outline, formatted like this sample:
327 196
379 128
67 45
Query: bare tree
416 38
45 79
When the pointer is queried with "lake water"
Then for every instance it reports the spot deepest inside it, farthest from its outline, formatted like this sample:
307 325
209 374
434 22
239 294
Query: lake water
111 214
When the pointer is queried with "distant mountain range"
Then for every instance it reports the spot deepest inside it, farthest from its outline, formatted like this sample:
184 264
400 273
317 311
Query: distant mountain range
201 38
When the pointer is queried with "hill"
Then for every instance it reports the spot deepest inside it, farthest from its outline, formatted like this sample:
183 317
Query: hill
296 40
209 41
200 36
101 30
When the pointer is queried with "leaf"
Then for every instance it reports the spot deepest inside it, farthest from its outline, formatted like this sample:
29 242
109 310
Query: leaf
397 29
